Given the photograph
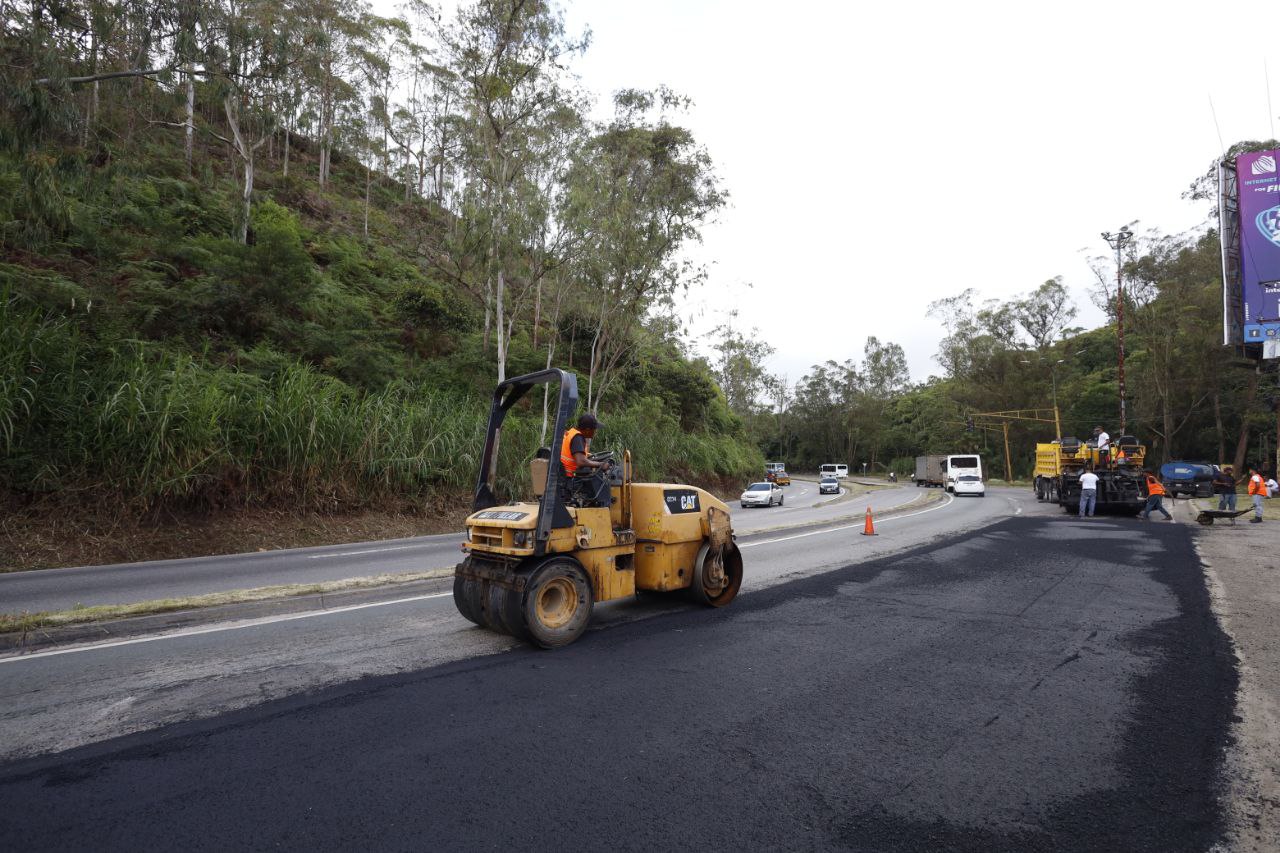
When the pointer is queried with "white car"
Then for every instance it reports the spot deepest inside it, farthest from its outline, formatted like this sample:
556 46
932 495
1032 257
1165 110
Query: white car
829 486
969 484
762 494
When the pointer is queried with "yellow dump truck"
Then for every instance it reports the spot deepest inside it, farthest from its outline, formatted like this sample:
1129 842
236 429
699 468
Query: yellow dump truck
1121 483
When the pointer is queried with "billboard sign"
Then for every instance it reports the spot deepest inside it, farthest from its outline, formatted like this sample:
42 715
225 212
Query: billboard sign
1258 185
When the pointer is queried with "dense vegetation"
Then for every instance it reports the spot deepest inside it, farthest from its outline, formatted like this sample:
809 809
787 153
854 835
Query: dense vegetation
277 252
1189 397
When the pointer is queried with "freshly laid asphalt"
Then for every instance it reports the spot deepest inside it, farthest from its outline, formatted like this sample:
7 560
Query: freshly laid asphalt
1040 683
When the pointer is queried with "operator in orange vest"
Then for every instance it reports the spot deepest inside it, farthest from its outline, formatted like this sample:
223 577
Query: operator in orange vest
574 456
1257 491
1155 498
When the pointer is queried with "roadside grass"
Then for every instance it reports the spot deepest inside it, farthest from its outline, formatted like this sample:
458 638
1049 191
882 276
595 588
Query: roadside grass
157 430
26 622
52 533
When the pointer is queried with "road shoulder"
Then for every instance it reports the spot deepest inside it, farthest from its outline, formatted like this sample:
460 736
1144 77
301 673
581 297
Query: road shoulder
1240 566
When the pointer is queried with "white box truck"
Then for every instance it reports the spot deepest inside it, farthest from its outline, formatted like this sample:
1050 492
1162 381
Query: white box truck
931 471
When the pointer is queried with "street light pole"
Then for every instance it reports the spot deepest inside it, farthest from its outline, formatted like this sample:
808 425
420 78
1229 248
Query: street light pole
1053 375
1118 241
1057 420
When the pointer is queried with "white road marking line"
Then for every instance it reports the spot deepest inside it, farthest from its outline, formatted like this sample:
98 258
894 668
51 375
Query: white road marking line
950 498
214 629
365 551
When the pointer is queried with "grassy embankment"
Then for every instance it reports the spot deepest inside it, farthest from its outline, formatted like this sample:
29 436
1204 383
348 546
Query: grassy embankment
142 427
157 376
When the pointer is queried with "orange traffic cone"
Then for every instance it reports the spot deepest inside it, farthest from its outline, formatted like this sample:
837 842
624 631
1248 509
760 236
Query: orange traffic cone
868 529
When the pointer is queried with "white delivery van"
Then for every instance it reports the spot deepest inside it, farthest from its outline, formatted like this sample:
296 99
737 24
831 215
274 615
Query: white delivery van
833 469
962 466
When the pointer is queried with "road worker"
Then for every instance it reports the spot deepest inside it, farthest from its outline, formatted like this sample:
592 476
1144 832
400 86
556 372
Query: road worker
1088 493
575 456
1103 442
1257 491
1155 498
1224 486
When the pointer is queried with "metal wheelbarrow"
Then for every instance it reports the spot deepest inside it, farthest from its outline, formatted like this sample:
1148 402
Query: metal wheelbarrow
1207 516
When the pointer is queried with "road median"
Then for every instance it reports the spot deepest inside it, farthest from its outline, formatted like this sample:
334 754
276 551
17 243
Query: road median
848 493
31 631
930 497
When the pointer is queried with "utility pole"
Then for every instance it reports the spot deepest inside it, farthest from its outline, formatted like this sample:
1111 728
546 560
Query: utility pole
1008 460
1118 241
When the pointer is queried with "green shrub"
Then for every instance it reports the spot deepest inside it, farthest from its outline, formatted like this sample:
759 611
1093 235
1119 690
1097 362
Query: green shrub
137 422
43 288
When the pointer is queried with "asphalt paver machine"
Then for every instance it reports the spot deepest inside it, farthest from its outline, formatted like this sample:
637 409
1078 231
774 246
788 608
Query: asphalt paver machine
534 568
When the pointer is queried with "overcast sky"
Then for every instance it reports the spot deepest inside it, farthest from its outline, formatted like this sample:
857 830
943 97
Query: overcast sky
882 157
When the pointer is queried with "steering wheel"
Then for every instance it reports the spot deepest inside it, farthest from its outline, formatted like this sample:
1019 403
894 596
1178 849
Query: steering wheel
605 456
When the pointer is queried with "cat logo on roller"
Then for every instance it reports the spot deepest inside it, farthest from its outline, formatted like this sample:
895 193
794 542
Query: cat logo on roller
528 571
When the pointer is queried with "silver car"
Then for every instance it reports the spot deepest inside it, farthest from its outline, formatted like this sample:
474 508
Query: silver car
829 486
762 494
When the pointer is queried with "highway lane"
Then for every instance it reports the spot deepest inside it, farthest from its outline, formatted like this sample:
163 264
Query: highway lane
126 583
1023 681
67 697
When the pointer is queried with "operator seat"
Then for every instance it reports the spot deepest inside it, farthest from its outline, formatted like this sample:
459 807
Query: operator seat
538 469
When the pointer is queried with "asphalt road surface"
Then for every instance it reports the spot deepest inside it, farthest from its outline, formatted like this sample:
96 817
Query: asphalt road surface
66 697
1023 680
126 583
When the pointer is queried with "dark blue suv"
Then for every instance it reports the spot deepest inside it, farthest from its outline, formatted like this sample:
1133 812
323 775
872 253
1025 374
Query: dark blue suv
1187 478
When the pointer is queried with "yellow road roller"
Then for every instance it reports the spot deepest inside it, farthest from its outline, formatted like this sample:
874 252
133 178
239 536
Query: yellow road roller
534 568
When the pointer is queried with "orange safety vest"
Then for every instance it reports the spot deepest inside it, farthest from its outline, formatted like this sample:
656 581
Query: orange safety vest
566 455
1153 486
1256 486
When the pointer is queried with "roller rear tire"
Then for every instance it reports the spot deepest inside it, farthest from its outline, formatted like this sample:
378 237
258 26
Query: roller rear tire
717 576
